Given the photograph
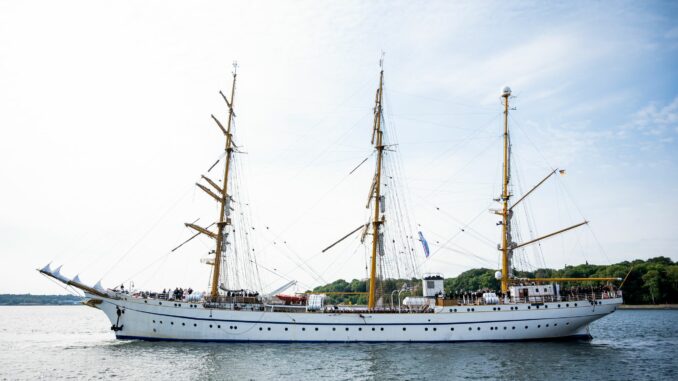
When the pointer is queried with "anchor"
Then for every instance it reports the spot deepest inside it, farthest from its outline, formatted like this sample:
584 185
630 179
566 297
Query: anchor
115 327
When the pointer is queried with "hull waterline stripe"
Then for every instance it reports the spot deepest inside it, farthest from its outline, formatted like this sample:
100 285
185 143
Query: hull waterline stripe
561 338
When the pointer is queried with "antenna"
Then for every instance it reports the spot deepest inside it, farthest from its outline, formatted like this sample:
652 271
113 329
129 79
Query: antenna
381 60
235 67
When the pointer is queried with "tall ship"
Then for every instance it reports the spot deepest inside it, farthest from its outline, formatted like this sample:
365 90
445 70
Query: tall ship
523 309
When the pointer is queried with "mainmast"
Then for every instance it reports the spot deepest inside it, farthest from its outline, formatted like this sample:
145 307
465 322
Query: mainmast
505 195
377 140
224 220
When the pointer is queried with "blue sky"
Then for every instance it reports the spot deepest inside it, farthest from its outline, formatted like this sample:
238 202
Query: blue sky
105 127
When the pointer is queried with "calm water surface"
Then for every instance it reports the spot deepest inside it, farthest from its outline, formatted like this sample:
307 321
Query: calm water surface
76 343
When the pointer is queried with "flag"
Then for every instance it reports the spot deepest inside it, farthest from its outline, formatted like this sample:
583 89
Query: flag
424 244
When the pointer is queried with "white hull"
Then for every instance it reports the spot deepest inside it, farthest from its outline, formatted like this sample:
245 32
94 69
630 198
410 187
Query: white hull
150 319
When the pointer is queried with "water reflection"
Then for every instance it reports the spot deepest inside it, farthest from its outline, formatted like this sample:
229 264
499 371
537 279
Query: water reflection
73 342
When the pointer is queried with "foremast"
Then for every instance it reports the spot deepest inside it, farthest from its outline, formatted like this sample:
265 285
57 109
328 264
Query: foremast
220 194
379 219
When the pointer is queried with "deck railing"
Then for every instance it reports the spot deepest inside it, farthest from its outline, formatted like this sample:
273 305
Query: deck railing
565 297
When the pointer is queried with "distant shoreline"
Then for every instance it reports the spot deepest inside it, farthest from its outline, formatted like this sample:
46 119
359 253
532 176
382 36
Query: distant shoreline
71 300
648 307
39 300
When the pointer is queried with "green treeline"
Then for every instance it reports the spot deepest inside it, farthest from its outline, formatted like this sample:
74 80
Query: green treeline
654 281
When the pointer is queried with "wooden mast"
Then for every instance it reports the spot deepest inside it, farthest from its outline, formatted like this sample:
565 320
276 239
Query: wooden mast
507 244
224 220
506 220
376 222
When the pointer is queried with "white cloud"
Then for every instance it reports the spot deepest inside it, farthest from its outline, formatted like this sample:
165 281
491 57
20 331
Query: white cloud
656 121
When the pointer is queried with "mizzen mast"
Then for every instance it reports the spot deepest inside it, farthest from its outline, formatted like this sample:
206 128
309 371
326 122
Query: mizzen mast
377 140
506 212
507 244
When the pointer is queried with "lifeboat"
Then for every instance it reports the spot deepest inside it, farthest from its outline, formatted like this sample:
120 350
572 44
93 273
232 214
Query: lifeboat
293 299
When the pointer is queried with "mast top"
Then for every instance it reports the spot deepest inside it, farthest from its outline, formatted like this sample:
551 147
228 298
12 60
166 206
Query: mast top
506 91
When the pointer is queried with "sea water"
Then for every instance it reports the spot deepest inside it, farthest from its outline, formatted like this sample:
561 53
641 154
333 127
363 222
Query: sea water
75 342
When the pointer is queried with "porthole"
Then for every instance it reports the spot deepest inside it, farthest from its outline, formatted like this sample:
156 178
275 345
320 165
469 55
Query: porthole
498 308
145 301
303 329
235 327
269 328
469 328
455 310
218 326
373 328
261 329
195 325
183 323
153 321
360 329
575 304
334 329
285 328
494 308
529 307
546 306
547 325
537 307
525 327
559 306
451 328
154 330
504 328
230 327
426 329
538 325
404 329
478 328
473 309
568 323
555 324
171 323
381 329
316 328
435 329
160 321
491 328
160 303
450 310
513 327
210 325
347 328
468 310
567 305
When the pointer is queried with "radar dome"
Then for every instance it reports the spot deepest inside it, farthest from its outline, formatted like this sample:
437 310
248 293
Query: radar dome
497 275
506 91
